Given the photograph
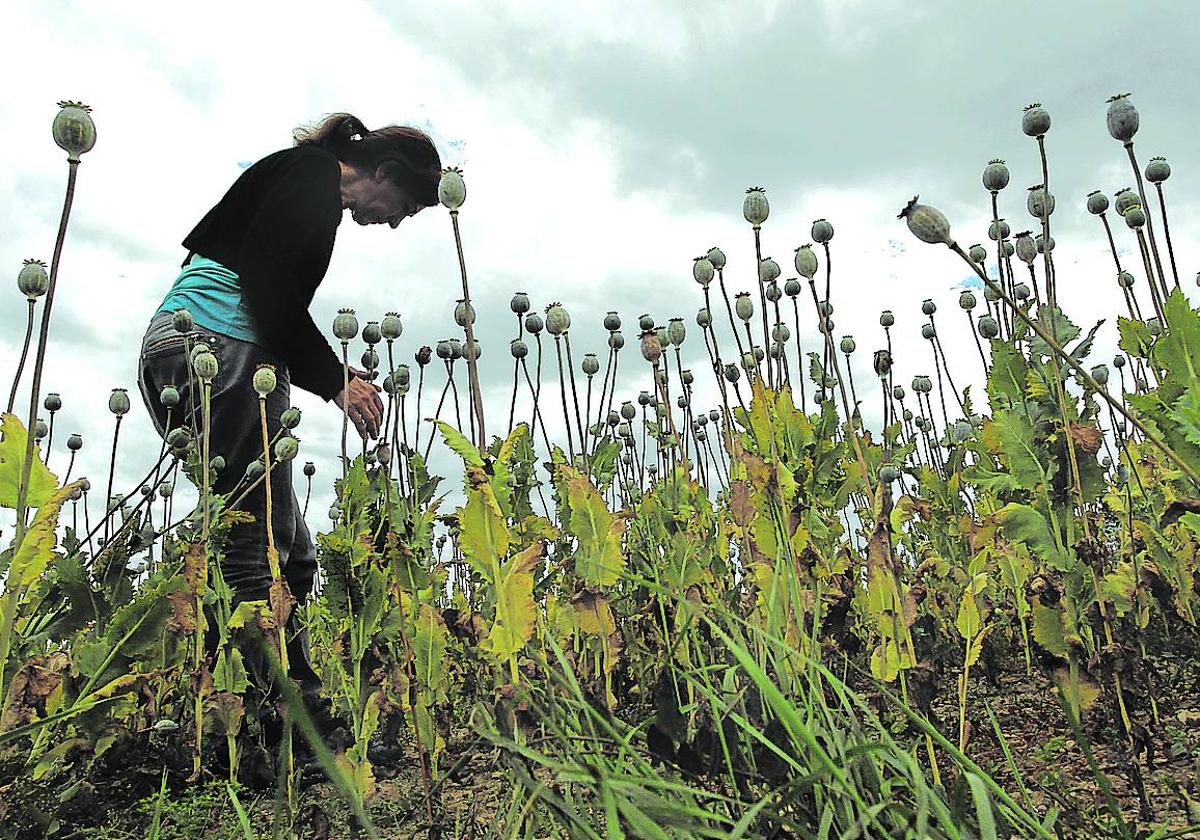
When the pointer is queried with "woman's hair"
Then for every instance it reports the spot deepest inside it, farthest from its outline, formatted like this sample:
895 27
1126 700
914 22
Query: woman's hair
406 154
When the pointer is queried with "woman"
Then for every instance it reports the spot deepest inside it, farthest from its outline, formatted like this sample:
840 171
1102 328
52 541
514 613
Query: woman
253 264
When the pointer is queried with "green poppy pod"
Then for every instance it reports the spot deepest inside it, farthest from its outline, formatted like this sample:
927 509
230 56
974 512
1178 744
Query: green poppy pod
1124 199
990 293
52 402
369 359
922 424
391 327
452 190
966 300
755 207
628 411
402 375
310 469
73 129
533 323
264 381
998 230
701 435
773 292
345 325
886 318
645 322
995 176
743 306
518 348
40 429
1007 248
988 328
216 463
676 331
682 401
519 303
1021 291
881 361
371 333
1039 203
806 261
703 318
74 442
118 402
847 344
1154 325
1135 217
717 257
1122 118
389 385
463 313
732 372
826 326
624 430
889 473
928 332
907 415
1158 170
179 438
290 418
612 418
822 231
978 254
926 223
557 319
255 470
1097 202
1035 121
1042 243
792 287
1100 374
165 490
714 415
703 271
898 392
443 350
768 270
780 333
644 399
1125 280
590 364
183 320
1118 362
616 341
612 321
959 432
476 348
1026 247
928 307
383 454
32 279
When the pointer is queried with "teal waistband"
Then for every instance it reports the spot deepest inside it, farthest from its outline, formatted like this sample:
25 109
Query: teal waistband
211 292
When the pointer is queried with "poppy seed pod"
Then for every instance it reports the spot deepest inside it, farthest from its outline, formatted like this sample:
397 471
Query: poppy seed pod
1039 203
1026 247
966 300
776 350
557 319
998 229
463 312
369 359
682 401
928 307
644 399
612 418
1122 118
74 442
628 410
922 424
1007 248
590 364
452 190
444 351
1125 280
889 473
676 331
52 402
978 254
389 385
1118 362
118 401
703 271
988 328
662 336
826 325
792 287
32 279
1035 121
717 257
651 348
519 303
660 378
1100 374
755 207
1097 202
772 292
401 375
1021 291
40 429
264 381
423 355
1154 325
345 325
533 323
615 340
995 176
216 463
310 469
1158 170
73 129
703 318
768 270
1042 242
518 348
824 309
959 431
926 223
907 415
882 363
898 392
286 448
624 429
371 333
645 322
383 454
612 321
847 344
254 470
183 321
1126 198
822 231
743 306
733 373
290 418
780 333
179 437
687 376
886 318
1135 217
927 332
806 261
391 327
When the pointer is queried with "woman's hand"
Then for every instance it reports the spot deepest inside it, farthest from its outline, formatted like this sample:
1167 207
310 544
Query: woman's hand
360 400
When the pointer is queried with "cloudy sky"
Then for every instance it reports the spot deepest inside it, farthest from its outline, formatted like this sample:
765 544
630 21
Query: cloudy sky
604 146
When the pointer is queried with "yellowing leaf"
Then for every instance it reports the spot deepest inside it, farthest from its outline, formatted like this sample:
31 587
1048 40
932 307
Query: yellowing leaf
968 622
459 443
594 614
42 482
598 559
515 610
429 648
1048 630
483 536
36 550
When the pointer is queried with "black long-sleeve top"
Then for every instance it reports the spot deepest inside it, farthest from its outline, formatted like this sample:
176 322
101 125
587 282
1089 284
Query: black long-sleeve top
275 229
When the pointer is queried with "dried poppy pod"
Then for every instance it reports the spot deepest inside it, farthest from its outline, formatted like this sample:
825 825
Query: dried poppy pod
847 344
978 254
74 442
1097 202
32 279
264 381
183 321
290 418
928 307
371 333
966 300
1039 203
345 325
743 306
995 175
1158 170
423 355
533 323
590 364
1026 247
886 318
755 207
998 230
988 327
926 223
806 261
792 287
822 231
768 270
612 321
518 348
118 402
651 348
464 313
1122 118
1044 244
881 361
1135 217
615 340
452 190
703 271
73 129
557 319
391 327
1124 199
1035 121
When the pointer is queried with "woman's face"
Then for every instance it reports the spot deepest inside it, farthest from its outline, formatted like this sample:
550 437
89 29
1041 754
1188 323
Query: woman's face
376 200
